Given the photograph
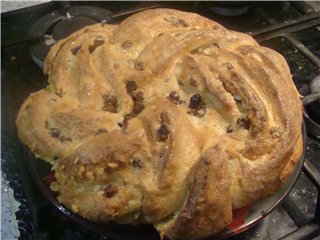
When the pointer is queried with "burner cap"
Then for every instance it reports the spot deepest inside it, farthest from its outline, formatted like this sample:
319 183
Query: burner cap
69 25
59 24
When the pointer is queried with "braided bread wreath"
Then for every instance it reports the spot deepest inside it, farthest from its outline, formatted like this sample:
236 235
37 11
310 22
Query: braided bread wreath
167 118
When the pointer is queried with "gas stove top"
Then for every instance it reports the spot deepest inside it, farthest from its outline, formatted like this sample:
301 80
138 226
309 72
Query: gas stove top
291 28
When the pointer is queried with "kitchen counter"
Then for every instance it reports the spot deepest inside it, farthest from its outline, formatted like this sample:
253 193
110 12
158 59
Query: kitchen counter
7 6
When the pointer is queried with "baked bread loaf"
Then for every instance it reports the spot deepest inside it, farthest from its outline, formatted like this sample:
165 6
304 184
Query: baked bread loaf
167 118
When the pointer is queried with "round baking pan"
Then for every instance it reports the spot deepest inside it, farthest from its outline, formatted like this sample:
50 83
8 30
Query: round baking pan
243 218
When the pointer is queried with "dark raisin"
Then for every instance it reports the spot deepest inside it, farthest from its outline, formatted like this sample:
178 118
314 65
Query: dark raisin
65 139
137 162
138 105
126 120
229 129
126 44
75 50
99 131
110 103
244 123
96 43
139 66
120 124
174 97
183 23
110 191
131 86
162 133
164 118
195 101
54 133
160 34
196 106
193 82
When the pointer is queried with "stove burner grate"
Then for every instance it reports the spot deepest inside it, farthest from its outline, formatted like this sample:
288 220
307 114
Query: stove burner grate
286 32
59 24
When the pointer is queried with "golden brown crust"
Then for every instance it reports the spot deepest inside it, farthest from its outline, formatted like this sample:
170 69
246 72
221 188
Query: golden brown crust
167 118
208 205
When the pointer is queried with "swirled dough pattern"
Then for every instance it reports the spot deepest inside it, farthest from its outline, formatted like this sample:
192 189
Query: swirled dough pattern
167 118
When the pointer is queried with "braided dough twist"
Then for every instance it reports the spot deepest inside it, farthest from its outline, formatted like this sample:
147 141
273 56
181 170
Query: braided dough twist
167 118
